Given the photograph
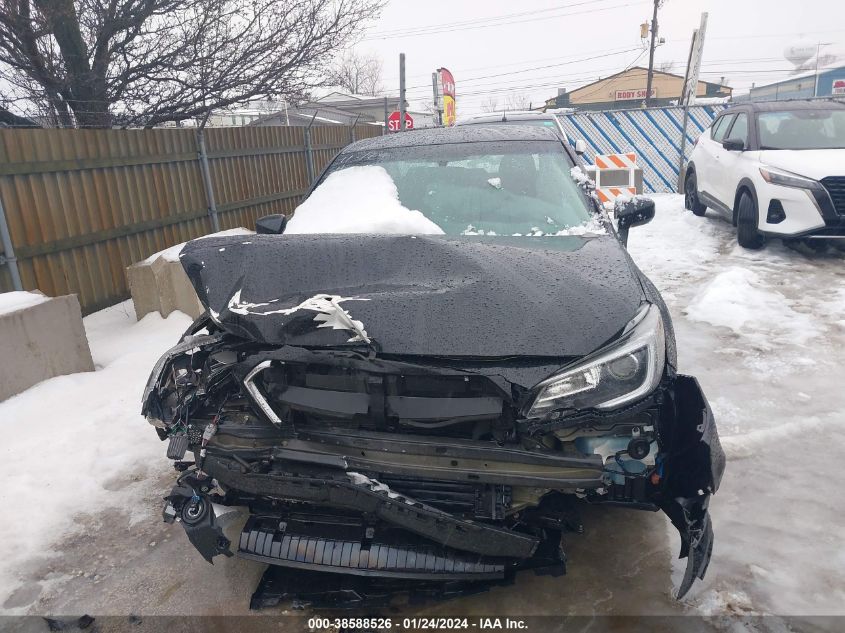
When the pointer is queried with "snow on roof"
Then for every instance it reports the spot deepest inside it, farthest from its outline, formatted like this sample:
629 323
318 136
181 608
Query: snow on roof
361 199
19 300
171 254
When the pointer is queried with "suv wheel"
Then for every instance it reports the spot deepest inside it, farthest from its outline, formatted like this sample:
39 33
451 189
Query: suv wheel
691 200
747 234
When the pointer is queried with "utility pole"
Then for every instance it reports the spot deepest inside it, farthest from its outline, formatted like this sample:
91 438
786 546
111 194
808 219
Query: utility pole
651 54
437 119
384 129
696 52
401 92
816 81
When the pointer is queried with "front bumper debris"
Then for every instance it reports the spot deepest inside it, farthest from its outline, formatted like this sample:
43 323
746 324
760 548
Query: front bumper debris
384 469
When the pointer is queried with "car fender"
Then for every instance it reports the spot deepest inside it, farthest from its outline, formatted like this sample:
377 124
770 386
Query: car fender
745 184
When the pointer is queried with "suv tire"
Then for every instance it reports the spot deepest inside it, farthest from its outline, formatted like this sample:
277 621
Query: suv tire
747 234
691 200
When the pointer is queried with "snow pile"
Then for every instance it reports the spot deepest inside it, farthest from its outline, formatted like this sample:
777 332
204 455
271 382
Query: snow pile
19 300
171 254
739 300
77 444
581 177
762 331
590 228
358 200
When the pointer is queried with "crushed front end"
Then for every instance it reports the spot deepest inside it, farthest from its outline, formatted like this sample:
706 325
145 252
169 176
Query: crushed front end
423 468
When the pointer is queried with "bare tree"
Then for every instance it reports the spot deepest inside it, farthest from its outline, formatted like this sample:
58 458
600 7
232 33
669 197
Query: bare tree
359 74
489 103
517 101
97 63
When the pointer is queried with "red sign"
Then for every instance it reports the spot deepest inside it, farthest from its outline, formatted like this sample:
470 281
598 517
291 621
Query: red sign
628 95
839 87
393 122
447 90
447 82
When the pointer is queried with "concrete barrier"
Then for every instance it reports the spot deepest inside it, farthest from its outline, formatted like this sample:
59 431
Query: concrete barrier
40 337
161 286
159 283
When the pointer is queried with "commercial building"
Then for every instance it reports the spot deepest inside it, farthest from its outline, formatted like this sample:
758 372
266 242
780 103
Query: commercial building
828 82
627 89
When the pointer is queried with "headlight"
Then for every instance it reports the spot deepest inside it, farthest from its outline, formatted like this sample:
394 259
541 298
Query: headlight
787 179
622 372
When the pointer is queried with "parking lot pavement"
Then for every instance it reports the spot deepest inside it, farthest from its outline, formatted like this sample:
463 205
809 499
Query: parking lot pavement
762 331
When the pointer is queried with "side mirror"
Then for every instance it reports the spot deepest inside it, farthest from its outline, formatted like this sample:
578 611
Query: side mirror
580 146
271 224
634 212
733 144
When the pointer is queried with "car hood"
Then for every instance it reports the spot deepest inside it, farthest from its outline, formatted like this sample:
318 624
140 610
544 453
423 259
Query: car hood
419 295
811 163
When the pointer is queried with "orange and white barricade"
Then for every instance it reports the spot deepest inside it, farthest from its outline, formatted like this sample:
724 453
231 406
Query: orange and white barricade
607 163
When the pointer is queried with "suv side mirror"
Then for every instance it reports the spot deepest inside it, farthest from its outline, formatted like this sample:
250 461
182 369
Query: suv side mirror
580 146
733 144
271 224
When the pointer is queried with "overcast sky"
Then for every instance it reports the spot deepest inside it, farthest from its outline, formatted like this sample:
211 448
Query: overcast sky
578 41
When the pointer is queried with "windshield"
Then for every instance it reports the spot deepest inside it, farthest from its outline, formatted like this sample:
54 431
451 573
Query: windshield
802 129
483 188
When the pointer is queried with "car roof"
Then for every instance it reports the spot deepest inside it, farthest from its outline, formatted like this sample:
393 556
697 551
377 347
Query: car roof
786 105
458 134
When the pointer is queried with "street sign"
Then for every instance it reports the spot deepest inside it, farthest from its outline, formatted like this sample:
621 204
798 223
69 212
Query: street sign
393 122
694 65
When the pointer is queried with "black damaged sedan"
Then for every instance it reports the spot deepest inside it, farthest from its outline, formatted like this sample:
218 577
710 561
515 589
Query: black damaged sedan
434 407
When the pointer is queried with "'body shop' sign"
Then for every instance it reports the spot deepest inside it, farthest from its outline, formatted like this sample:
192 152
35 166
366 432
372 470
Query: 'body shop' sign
628 95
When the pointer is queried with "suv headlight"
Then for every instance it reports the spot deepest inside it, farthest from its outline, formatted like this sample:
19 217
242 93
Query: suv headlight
624 371
788 179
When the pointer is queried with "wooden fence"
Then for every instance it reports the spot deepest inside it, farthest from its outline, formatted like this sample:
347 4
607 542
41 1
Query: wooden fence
82 205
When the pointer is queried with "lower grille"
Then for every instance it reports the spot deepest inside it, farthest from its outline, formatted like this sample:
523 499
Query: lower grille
310 549
835 186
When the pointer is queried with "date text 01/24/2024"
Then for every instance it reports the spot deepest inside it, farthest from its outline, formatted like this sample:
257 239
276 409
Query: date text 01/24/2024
416 624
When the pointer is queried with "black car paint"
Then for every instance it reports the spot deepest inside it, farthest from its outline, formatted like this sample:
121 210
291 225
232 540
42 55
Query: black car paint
584 291
425 295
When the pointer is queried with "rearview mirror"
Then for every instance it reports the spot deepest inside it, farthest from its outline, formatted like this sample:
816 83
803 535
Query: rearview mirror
580 146
733 144
271 224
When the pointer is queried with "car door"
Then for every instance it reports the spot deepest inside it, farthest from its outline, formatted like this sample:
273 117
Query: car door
731 168
706 162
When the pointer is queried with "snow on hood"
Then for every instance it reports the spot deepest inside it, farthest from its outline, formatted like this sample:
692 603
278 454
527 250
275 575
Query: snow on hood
811 163
171 254
361 199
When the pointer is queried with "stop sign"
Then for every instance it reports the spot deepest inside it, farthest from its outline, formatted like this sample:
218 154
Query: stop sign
393 122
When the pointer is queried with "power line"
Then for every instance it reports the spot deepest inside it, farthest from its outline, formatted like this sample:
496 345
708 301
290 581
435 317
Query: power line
475 21
472 27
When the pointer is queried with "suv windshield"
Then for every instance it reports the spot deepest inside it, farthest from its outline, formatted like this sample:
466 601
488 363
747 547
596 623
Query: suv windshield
802 129
492 188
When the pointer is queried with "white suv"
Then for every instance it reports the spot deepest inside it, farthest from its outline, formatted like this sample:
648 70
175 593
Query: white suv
774 169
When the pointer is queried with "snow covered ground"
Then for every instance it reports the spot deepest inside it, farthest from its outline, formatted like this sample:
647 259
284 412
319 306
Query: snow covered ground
763 331
76 444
